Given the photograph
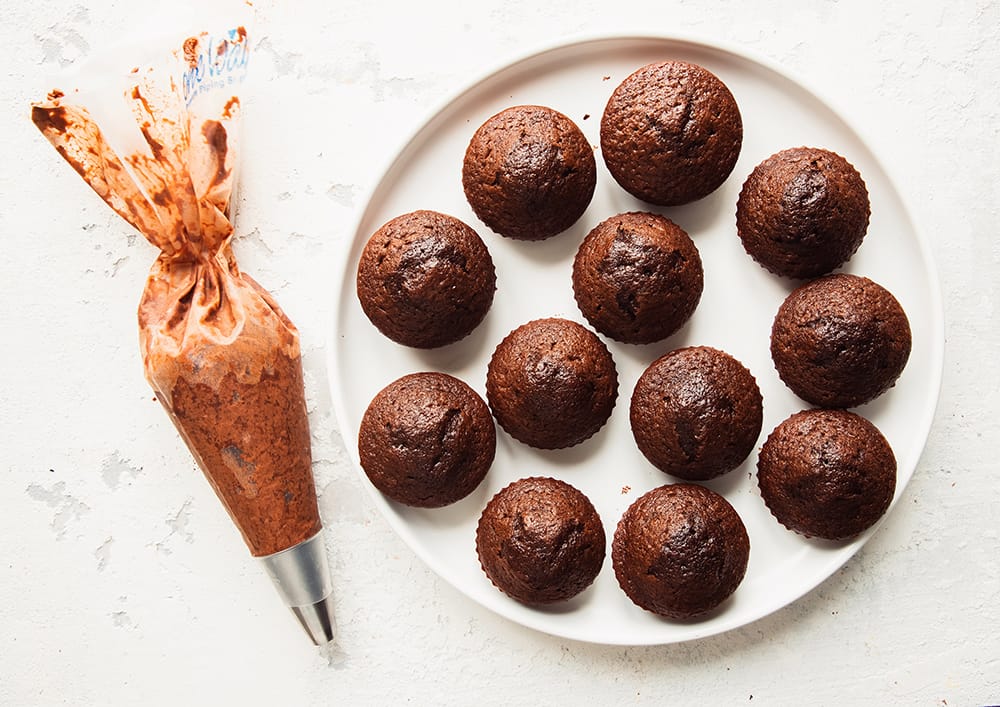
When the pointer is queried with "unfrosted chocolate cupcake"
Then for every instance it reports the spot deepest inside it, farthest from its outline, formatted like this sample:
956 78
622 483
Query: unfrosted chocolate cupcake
425 279
827 474
529 173
551 383
671 133
840 341
540 541
680 550
637 277
696 413
426 440
803 212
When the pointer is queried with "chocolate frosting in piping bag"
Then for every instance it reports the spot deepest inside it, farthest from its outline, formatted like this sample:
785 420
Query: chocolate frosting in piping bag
221 355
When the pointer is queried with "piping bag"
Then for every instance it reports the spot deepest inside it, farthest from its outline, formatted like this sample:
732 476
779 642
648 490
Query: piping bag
220 354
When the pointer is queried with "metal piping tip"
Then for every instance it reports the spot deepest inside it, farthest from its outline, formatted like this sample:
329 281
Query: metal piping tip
317 619
301 575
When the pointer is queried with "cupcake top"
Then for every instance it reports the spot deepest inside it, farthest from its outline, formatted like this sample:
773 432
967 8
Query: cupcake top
551 383
540 541
637 277
803 212
840 341
425 279
426 440
827 474
529 173
680 550
696 413
671 133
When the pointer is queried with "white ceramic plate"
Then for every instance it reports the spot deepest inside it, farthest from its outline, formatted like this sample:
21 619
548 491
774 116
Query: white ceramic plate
735 314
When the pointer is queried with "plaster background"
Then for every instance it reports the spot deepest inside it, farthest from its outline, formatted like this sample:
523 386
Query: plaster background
123 580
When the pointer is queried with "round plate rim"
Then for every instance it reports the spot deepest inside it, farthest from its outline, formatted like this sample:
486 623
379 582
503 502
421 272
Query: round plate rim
935 318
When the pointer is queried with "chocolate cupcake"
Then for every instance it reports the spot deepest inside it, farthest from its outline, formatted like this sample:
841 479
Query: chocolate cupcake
551 383
637 277
680 550
840 341
671 133
540 541
529 173
696 413
827 474
425 279
803 212
426 440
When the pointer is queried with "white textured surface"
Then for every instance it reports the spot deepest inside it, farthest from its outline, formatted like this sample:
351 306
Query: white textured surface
123 581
